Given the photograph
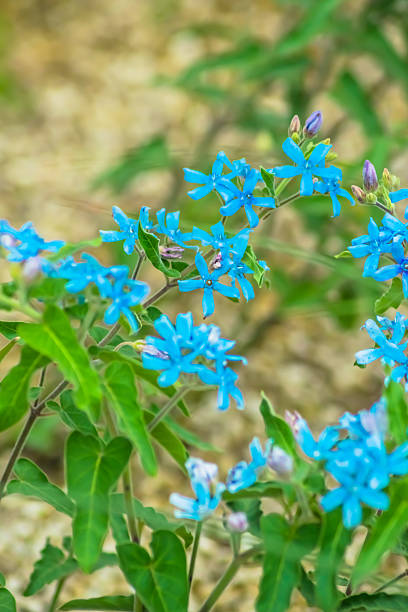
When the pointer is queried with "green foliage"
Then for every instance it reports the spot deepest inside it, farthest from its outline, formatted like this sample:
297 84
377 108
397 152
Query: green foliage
376 602
285 546
384 533
391 298
55 339
14 388
7 601
52 565
397 411
163 434
123 603
122 394
33 482
277 429
334 539
150 245
72 416
92 470
160 580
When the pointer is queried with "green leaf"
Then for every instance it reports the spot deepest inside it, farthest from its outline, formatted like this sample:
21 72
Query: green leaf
277 429
122 395
391 298
2 580
56 339
73 247
385 532
191 438
151 377
151 517
150 244
160 580
151 155
34 483
397 411
51 566
7 348
7 601
73 417
251 260
269 181
48 289
378 602
374 40
285 547
92 471
168 440
14 387
343 255
119 528
353 98
123 603
307 587
333 541
8 329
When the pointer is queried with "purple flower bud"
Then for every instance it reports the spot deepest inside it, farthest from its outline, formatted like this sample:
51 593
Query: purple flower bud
216 262
358 193
370 179
171 252
201 471
237 521
280 461
32 268
313 124
7 241
294 126
149 349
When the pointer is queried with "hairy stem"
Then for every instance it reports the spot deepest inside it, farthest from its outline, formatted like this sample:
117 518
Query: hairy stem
221 585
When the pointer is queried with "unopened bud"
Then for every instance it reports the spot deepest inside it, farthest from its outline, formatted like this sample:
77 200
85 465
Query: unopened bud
148 349
371 198
295 137
32 269
216 262
370 179
386 179
171 252
313 124
237 521
280 461
331 156
294 125
7 241
358 193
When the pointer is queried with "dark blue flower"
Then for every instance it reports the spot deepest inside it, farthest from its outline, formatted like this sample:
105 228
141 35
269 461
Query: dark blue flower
209 282
128 228
333 188
125 293
236 199
306 168
207 490
168 224
374 244
213 181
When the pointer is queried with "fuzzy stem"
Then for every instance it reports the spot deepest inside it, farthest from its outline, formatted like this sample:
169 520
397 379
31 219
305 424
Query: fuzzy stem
221 585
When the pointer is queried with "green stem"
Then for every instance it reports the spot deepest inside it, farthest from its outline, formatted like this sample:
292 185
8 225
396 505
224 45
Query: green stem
168 406
282 185
24 308
221 585
392 581
194 552
128 497
57 592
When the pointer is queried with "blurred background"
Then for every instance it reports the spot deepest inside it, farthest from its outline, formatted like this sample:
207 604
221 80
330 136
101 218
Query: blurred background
104 102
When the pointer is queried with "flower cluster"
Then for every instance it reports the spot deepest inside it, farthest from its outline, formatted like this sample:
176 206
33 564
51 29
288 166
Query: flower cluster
358 460
208 491
24 243
388 336
193 349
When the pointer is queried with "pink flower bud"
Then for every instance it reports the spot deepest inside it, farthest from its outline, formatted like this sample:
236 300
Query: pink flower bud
237 521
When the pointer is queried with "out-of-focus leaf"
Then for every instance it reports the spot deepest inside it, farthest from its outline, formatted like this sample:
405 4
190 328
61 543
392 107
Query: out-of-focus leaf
9 329
374 40
152 155
73 247
376 602
397 411
353 98
7 601
121 603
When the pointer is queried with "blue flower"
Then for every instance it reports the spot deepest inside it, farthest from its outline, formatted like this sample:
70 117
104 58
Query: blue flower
25 242
209 282
217 239
397 230
214 181
243 475
397 196
333 188
128 228
374 244
236 199
390 349
169 226
319 449
400 268
81 274
125 293
207 491
238 269
181 349
306 168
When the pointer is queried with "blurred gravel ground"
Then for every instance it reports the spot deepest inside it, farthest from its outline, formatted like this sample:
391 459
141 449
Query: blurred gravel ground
83 81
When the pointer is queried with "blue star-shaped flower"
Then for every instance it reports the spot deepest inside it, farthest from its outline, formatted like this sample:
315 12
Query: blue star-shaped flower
397 196
215 181
319 449
125 293
217 239
81 273
168 224
400 268
333 188
25 242
391 349
243 475
236 199
209 282
306 168
374 244
397 230
238 269
128 228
